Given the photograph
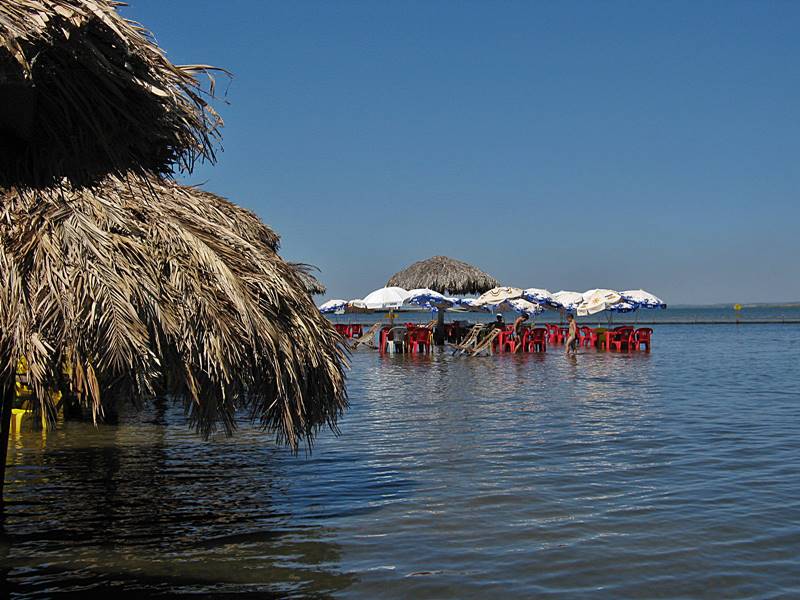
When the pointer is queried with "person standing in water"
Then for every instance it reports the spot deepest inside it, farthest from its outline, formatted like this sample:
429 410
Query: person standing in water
572 335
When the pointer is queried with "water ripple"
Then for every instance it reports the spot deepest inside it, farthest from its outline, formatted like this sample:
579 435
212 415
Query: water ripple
673 474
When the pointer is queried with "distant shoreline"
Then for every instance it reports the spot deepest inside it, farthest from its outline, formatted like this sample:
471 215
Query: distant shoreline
743 305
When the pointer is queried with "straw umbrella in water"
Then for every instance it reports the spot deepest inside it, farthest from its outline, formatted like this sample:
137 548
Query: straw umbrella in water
120 293
85 93
138 287
444 275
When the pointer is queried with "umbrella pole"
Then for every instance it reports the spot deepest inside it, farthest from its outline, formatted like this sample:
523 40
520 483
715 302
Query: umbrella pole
8 390
439 337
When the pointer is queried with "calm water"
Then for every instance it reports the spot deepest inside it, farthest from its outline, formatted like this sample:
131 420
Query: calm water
673 474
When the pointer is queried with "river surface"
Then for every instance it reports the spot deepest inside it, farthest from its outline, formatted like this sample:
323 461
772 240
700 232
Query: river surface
674 474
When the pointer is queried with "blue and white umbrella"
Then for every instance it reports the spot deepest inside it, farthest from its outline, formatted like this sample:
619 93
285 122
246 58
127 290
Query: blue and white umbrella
470 304
623 307
332 306
341 307
430 299
540 296
643 299
518 305
568 301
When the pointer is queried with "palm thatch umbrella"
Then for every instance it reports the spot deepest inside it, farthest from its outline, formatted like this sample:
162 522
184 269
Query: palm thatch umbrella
120 293
85 92
444 275
313 285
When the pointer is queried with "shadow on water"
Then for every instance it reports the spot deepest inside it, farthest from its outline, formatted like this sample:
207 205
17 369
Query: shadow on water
147 508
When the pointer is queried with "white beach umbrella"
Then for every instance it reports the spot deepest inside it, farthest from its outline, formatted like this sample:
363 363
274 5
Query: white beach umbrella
598 300
497 295
569 301
384 298
643 299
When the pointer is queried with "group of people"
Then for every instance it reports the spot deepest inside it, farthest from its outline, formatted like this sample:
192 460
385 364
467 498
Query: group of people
572 331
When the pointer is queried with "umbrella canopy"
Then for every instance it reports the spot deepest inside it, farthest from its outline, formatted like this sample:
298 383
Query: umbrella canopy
430 299
85 92
623 307
598 300
540 296
332 306
643 299
469 304
444 275
386 297
120 293
568 301
313 285
497 295
343 306
518 305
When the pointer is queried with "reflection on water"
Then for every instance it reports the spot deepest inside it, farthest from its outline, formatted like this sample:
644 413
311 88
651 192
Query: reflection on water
670 474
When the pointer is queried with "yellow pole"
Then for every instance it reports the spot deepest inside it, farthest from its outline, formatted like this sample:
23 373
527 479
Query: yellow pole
8 395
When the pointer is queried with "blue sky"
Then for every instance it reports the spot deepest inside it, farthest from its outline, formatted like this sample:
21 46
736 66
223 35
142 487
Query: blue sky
558 145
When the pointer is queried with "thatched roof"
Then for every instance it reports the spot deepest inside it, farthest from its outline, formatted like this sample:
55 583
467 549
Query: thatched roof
313 285
121 293
85 92
444 275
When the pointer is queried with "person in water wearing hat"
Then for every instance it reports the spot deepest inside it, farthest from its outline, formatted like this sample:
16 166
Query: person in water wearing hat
499 323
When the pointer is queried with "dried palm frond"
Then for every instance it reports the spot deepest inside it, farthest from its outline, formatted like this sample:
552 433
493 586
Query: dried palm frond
444 275
85 92
121 293
313 285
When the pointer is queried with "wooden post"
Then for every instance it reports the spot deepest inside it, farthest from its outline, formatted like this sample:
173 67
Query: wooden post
8 394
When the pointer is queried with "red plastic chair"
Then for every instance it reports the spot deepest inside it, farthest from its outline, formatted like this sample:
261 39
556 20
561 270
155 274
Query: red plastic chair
418 339
622 338
589 337
341 328
642 338
554 334
356 330
535 340
506 339
384 338
606 339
